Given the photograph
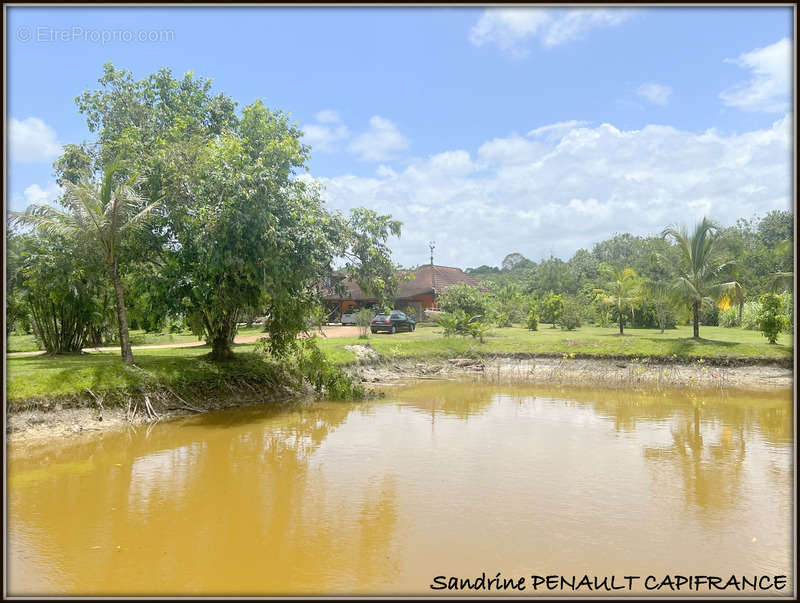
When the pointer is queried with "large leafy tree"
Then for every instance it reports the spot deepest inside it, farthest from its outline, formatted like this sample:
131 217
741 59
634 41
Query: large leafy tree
703 259
104 212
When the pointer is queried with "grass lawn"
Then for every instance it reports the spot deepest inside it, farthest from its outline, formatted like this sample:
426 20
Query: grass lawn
40 376
715 342
27 343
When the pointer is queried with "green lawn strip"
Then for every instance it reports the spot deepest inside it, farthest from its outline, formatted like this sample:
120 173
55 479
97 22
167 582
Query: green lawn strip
33 377
678 344
27 343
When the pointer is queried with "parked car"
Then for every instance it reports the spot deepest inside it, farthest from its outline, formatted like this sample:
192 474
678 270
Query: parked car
348 318
392 323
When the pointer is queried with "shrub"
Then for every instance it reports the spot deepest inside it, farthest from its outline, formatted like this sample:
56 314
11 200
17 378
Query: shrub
750 316
788 309
532 321
363 318
459 323
571 316
466 298
551 307
502 319
771 319
729 317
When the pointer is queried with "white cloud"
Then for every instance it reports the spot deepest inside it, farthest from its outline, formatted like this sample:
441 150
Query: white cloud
381 142
36 194
323 135
31 140
769 87
657 94
509 28
540 193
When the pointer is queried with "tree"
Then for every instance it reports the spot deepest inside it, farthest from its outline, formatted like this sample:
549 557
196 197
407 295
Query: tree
104 211
658 293
551 308
701 264
771 319
466 298
623 289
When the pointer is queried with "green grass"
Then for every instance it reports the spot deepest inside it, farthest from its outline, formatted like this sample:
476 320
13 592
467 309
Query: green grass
715 342
27 343
46 376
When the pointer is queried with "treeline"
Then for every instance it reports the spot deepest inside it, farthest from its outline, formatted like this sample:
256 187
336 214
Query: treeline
654 282
185 211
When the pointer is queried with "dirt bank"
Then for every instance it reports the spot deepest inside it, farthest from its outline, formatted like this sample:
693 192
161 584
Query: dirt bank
55 419
584 371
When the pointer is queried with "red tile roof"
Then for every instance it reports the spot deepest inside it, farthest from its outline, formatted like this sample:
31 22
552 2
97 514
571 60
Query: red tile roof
427 279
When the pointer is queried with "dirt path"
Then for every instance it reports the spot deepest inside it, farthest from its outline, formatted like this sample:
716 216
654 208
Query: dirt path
331 331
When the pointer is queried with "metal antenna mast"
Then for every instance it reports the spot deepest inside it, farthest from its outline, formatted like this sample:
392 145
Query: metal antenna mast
432 245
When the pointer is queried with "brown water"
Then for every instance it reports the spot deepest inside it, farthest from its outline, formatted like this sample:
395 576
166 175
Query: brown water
440 478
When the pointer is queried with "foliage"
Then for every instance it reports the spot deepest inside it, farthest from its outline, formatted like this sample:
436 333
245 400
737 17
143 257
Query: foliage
59 281
466 298
771 319
702 262
459 322
532 321
622 289
551 307
572 316
363 318
306 363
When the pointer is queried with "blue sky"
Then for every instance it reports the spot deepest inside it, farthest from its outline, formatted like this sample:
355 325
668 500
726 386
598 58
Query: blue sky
490 131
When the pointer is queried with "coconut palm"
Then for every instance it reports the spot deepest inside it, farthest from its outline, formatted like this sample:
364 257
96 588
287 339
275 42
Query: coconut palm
702 263
104 212
622 290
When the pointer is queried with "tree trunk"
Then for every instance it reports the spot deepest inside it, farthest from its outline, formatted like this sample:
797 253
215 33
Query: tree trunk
221 339
696 319
122 316
621 320
741 307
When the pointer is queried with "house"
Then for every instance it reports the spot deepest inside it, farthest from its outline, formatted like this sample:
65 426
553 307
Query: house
418 292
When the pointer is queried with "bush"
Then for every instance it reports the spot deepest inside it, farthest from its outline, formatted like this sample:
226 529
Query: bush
532 321
788 309
363 318
729 317
571 316
551 307
466 298
771 319
458 323
750 316
502 319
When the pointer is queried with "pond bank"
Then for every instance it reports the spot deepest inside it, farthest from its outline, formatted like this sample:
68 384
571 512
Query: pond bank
72 415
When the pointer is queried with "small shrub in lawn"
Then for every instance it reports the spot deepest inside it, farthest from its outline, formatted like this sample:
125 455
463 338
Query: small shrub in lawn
532 321
771 319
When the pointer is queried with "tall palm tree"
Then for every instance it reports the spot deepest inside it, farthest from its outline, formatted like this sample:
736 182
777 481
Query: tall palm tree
702 262
623 290
103 211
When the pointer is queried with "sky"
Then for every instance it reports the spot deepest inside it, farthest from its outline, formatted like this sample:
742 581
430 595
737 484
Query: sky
487 130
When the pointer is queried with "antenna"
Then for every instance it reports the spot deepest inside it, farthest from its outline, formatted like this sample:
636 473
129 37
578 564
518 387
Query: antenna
432 245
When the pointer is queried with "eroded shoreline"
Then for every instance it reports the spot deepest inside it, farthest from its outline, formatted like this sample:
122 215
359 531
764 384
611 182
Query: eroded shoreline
70 417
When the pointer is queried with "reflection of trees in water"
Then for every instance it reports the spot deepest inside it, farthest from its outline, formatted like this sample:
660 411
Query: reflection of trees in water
451 398
218 503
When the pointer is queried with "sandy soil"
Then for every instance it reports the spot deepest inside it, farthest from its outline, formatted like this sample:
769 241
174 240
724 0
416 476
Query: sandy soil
377 375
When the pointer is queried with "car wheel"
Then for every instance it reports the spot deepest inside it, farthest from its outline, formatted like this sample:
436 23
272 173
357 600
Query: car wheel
394 329
413 326
374 331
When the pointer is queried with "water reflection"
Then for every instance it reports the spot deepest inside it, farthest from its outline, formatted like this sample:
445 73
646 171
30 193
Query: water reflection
444 477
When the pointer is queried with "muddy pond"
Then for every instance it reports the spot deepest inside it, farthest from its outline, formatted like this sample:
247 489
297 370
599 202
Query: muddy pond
439 478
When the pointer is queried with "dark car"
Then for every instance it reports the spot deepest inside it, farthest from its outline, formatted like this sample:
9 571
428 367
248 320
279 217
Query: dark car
392 323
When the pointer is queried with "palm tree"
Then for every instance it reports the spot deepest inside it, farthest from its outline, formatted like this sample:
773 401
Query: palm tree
104 212
623 290
701 266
